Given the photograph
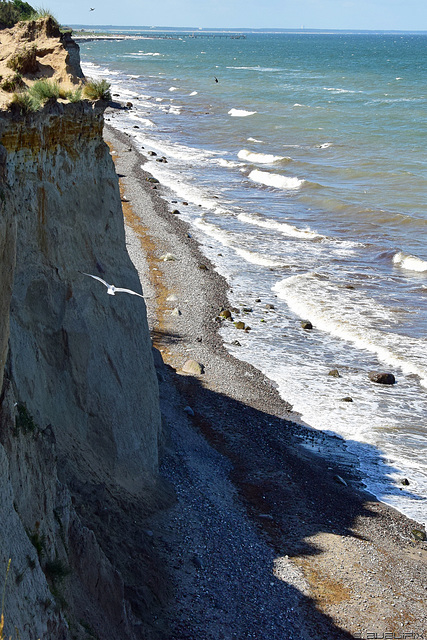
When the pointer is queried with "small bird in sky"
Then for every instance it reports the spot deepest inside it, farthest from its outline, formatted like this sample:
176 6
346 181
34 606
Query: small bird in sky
92 9
216 79
111 289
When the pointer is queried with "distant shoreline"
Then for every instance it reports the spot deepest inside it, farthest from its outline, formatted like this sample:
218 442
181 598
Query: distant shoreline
196 31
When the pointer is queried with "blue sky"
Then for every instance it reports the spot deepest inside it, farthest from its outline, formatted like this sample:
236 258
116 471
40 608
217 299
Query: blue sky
283 14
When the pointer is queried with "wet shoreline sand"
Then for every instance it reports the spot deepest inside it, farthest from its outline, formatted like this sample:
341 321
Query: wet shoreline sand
331 561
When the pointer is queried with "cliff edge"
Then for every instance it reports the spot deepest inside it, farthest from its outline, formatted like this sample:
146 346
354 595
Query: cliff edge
79 410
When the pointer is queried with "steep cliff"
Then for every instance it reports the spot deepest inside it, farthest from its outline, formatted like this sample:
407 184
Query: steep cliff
79 405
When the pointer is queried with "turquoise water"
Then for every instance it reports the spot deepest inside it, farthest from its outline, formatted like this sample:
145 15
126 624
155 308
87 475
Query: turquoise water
304 167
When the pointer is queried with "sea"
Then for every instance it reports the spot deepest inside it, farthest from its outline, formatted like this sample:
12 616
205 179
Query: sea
302 159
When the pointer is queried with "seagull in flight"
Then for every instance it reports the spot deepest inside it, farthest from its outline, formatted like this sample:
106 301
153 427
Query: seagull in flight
92 9
111 289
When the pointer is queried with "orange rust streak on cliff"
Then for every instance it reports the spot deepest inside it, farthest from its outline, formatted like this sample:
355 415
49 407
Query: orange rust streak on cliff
61 132
156 277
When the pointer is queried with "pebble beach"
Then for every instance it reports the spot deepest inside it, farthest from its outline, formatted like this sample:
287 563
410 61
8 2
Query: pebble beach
272 533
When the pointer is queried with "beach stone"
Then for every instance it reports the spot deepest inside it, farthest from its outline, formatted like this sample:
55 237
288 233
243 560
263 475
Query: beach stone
193 367
168 257
340 480
258 300
172 298
135 126
247 310
153 180
306 324
176 212
347 399
225 313
197 562
185 204
189 410
151 153
382 378
129 105
405 482
203 267
248 329
419 534
334 373
269 306
236 343
176 312
239 324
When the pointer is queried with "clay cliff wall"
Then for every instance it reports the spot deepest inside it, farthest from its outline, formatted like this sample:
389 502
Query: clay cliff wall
79 402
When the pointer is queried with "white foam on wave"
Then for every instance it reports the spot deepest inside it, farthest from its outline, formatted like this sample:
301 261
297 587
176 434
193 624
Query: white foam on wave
257 258
240 113
175 110
325 145
261 158
228 163
260 69
284 228
230 240
409 262
193 93
173 89
337 90
189 192
255 140
352 316
275 180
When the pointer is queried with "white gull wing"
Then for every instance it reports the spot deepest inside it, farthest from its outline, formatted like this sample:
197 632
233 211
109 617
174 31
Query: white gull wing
134 293
96 278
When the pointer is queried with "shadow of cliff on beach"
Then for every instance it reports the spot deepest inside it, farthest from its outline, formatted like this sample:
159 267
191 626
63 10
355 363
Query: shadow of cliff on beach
291 494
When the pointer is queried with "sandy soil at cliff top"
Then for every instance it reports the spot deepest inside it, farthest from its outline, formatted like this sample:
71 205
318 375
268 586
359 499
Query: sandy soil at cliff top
264 541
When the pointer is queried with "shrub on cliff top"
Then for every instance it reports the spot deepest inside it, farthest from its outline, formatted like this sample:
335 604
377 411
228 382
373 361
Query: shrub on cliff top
13 12
97 90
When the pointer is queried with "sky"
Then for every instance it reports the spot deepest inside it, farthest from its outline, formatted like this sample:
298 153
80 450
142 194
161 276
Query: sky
405 15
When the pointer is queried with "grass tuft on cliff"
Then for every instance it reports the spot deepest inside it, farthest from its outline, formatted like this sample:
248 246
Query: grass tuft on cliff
12 83
97 90
34 98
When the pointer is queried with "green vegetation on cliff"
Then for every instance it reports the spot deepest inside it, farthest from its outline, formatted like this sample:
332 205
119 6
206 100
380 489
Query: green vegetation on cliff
13 12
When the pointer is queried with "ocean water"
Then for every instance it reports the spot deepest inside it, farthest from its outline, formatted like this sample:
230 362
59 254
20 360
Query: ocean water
302 158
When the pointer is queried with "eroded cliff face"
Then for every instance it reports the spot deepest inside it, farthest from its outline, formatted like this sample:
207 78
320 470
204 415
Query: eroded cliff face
80 359
54 55
79 404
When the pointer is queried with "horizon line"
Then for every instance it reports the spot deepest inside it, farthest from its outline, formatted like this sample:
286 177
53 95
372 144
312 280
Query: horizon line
248 29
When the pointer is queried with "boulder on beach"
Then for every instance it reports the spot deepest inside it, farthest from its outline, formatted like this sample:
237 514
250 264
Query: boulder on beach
193 367
239 324
306 324
225 313
334 373
419 535
381 377
168 257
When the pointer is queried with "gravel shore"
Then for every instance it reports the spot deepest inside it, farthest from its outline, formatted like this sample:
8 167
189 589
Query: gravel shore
272 535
